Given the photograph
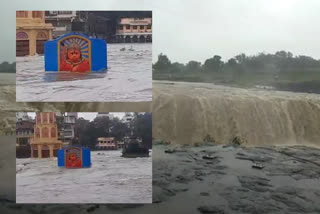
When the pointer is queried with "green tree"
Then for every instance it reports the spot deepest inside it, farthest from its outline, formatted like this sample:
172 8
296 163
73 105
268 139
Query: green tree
142 126
162 64
213 64
193 66
118 129
176 67
6 67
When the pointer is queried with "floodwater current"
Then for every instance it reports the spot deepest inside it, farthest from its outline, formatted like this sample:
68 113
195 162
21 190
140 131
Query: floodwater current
111 179
128 79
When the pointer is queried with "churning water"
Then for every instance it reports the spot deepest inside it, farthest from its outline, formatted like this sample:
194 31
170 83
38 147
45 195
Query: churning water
111 179
186 113
128 79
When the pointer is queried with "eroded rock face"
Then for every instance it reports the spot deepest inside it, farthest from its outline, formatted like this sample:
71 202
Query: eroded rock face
233 185
186 113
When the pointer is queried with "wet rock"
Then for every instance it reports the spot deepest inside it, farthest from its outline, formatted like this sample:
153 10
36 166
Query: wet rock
204 194
257 166
170 151
182 179
254 183
123 206
209 157
210 209
253 157
92 208
180 189
293 203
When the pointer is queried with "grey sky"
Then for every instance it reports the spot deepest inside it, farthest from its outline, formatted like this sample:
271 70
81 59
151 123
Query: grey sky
87 115
196 30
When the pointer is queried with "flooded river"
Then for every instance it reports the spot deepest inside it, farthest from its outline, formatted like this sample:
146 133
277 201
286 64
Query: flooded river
128 79
187 113
111 179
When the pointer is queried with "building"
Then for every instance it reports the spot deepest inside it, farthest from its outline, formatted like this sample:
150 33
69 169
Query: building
105 114
66 126
134 30
69 124
106 143
24 132
61 21
45 141
120 144
22 116
127 118
31 32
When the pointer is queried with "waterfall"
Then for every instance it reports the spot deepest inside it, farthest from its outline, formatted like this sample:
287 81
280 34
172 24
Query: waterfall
186 113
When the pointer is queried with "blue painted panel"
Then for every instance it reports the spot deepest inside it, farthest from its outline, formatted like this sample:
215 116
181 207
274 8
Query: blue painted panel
98 52
99 55
86 159
51 56
61 158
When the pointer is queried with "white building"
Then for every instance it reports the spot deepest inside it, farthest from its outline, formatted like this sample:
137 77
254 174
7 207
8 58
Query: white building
127 118
106 143
61 21
69 121
22 116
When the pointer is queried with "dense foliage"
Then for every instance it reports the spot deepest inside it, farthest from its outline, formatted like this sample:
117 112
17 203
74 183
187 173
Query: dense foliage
280 61
281 70
6 67
87 132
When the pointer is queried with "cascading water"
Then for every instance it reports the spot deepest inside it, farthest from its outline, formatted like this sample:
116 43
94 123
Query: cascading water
186 113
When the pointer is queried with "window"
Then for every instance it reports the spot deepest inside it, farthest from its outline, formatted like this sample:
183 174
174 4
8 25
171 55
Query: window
53 132
45 117
149 27
51 117
22 14
45 132
37 133
135 27
38 118
127 27
141 27
37 14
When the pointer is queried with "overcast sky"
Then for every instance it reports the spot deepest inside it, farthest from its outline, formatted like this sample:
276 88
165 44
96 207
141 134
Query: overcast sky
87 115
196 30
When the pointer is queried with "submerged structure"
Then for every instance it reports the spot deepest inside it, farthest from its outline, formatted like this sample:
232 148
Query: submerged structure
74 157
134 149
75 52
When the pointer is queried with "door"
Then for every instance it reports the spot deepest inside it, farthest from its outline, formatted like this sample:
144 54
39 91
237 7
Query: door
22 47
45 153
40 46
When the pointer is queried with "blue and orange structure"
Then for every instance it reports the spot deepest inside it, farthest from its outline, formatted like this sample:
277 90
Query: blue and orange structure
93 50
74 157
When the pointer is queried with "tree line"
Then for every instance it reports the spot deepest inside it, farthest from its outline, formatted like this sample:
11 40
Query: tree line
87 132
262 62
6 67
